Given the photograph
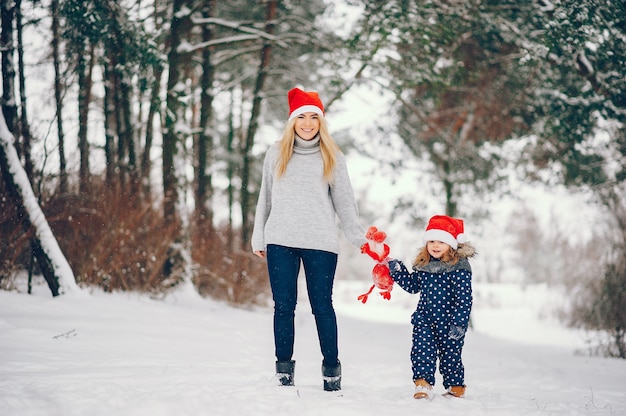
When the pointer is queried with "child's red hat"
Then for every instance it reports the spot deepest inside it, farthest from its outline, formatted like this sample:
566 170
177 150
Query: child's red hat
445 229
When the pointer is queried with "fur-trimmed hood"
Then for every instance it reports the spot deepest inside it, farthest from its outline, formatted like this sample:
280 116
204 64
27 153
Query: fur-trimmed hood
466 250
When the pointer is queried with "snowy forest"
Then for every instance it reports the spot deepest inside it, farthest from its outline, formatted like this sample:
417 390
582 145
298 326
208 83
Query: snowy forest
133 133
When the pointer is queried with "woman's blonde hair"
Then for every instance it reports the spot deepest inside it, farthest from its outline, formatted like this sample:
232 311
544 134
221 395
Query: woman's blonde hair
423 257
328 148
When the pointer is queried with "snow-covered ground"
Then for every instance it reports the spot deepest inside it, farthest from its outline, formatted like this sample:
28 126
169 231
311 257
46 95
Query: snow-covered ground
126 354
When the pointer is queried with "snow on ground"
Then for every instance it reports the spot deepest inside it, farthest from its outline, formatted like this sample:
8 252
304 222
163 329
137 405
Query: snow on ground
127 354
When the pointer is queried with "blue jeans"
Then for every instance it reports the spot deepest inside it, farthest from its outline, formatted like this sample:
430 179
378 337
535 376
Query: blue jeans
283 265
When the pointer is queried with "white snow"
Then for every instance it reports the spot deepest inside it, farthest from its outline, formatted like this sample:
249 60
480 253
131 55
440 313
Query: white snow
127 354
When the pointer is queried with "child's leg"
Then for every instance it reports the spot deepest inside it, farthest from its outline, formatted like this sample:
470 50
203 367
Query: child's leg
450 364
423 353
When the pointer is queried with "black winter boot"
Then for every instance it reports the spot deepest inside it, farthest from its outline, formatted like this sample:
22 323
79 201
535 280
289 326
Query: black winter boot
332 377
285 371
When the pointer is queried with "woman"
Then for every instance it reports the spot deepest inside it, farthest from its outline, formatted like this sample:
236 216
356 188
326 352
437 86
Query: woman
305 186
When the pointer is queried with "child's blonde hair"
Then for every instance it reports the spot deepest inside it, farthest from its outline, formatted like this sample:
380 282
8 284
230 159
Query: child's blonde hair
423 257
328 148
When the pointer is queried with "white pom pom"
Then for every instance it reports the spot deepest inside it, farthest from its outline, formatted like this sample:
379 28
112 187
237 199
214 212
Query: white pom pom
461 238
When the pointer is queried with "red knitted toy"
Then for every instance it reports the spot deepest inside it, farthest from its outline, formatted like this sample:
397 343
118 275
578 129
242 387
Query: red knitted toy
379 251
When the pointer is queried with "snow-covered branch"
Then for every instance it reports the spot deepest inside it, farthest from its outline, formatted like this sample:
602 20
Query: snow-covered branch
253 33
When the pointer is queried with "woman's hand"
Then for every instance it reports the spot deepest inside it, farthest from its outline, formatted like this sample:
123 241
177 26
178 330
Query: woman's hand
260 253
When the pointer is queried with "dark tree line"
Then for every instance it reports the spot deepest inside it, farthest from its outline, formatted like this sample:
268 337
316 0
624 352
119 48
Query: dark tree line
151 73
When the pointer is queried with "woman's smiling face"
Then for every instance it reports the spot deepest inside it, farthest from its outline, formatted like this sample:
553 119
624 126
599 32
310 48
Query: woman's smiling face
307 125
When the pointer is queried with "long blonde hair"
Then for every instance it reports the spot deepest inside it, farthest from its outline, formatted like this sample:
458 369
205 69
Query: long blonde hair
328 148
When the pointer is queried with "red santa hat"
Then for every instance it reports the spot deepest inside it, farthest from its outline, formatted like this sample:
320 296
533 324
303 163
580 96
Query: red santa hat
445 229
301 102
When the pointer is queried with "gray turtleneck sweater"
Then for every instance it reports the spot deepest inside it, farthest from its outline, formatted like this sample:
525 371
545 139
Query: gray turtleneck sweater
300 208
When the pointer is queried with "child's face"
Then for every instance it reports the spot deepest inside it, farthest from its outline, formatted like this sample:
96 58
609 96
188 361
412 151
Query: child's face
437 248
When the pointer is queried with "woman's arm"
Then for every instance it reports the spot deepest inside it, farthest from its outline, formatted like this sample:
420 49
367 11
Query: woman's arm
342 196
264 203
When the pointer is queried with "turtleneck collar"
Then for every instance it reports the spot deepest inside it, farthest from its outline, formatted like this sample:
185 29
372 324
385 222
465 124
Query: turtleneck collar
306 147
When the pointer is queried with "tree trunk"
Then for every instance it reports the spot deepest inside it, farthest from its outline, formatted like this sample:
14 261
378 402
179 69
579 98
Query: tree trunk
266 51
116 110
160 11
146 162
204 191
126 133
448 186
230 169
58 94
85 83
9 106
173 136
45 248
109 128
24 124
179 29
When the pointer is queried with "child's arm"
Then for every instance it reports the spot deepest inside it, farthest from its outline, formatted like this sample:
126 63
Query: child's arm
462 287
410 282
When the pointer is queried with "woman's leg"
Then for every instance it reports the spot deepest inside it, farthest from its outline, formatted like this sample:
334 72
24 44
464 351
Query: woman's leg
283 264
319 267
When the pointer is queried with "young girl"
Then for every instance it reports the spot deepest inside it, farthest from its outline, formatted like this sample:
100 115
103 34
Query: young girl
304 188
442 273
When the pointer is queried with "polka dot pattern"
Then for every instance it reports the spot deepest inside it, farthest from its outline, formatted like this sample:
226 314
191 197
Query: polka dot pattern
445 300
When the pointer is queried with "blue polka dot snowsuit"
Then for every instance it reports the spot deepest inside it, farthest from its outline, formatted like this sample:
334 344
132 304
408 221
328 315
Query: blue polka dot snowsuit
445 300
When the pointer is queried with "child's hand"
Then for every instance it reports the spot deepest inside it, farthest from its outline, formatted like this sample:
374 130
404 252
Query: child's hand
456 332
394 265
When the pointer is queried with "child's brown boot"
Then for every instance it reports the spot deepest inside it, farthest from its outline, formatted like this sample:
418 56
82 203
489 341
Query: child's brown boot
423 389
456 391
